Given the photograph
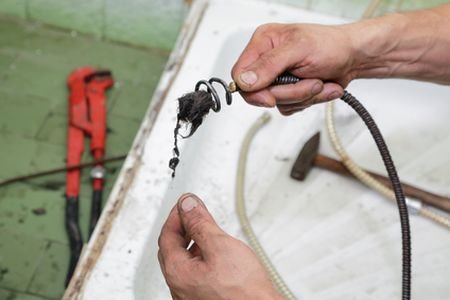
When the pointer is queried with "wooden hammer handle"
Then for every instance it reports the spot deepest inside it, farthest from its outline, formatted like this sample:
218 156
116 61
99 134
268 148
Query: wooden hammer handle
428 198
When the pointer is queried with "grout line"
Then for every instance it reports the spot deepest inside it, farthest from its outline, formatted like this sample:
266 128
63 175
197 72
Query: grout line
103 18
35 271
26 293
42 125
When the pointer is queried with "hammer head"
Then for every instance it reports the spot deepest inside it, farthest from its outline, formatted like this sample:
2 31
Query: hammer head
305 158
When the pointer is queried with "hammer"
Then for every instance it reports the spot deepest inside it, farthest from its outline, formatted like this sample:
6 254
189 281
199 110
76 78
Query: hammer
309 156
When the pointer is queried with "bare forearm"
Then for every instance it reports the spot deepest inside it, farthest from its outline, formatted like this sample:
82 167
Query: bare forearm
413 45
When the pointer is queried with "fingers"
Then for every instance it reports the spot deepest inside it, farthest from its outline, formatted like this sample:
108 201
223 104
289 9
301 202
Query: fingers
188 220
198 224
263 71
285 94
195 250
261 62
296 93
291 98
297 49
172 241
262 98
307 92
287 105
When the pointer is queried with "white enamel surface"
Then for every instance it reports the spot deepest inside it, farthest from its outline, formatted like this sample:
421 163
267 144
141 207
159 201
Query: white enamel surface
329 237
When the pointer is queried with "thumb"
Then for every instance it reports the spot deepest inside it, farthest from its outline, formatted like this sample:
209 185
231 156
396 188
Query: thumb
263 71
198 223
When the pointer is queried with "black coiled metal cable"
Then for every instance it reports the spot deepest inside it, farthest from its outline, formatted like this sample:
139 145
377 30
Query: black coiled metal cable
382 148
215 96
396 186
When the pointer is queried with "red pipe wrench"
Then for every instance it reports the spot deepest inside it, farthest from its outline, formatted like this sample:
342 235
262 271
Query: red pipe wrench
87 117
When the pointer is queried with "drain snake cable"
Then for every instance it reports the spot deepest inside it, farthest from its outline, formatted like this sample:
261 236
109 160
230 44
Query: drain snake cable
415 206
402 207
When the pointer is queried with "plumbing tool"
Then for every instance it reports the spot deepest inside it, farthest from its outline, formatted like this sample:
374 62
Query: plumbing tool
87 117
209 99
309 156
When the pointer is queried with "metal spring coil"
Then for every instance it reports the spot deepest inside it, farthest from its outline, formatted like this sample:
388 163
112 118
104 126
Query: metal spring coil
280 80
215 96
397 188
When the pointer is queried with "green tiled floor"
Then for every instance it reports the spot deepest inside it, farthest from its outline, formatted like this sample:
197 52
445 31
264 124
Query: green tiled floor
34 64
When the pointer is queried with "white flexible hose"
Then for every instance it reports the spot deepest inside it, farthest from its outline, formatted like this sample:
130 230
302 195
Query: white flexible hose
242 213
368 179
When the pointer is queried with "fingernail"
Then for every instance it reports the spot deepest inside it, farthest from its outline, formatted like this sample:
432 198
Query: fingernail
188 203
316 88
249 77
333 95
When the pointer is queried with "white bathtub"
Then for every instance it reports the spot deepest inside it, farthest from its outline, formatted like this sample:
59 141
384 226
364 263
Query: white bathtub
329 237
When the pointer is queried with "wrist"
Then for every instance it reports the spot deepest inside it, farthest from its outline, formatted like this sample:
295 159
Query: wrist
372 42
410 45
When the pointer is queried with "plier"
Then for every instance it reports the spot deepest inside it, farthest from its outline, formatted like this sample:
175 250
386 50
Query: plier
87 117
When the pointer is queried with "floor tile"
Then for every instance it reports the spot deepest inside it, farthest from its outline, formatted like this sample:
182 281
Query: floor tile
85 15
34 63
16 154
21 114
121 134
19 257
48 155
8 294
5 62
132 98
14 35
35 208
13 7
49 275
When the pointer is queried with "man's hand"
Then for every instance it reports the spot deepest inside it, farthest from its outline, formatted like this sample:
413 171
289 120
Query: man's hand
217 266
412 45
321 55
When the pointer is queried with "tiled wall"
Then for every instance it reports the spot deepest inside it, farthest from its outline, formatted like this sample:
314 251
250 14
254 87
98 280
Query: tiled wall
155 23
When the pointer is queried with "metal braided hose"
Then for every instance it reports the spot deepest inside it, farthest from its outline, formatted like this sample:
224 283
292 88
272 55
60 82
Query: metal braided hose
242 211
